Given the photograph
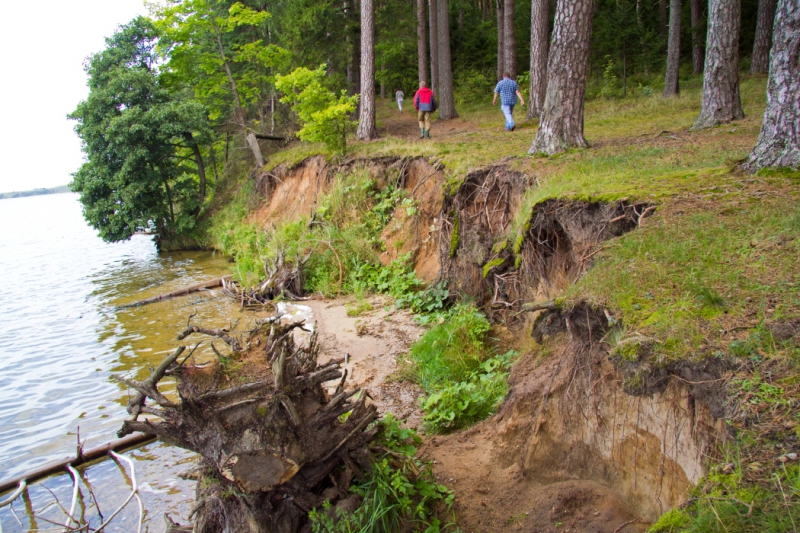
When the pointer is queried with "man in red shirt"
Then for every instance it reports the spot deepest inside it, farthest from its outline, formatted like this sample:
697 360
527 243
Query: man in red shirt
425 104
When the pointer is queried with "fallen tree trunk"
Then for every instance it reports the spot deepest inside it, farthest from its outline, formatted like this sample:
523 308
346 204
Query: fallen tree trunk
84 457
219 282
271 446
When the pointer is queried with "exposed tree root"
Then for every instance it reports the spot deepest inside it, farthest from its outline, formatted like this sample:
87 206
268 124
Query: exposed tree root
269 446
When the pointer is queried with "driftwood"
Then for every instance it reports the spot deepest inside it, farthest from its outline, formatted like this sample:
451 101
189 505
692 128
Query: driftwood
81 458
272 445
283 279
180 292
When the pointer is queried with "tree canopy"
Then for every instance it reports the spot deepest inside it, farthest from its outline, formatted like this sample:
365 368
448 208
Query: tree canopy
137 136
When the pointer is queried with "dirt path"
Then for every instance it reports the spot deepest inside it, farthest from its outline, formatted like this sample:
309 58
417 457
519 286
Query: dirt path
405 125
371 344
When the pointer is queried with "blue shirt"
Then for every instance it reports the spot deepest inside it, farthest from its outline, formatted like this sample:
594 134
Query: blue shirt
508 91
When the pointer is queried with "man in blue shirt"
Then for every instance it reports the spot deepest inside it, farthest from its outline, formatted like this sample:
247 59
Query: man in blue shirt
508 91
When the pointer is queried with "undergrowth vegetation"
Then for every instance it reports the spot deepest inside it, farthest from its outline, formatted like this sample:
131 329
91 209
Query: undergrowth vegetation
399 493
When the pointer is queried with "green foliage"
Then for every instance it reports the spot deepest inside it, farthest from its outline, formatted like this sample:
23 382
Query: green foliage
137 136
725 502
461 404
473 86
451 351
610 88
399 493
324 115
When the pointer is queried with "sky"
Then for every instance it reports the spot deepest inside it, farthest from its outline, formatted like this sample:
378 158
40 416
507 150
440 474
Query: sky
44 45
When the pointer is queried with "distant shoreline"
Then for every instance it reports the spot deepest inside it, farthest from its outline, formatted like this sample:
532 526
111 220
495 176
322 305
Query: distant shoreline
35 192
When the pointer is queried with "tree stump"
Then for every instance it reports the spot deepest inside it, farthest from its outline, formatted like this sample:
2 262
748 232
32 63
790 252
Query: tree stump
272 446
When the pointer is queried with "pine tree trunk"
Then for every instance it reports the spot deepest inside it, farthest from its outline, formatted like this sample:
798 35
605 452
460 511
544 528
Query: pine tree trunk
671 83
422 42
561 123
447 104
721 101
501 66
510 42
353 37
540 33
698 40
433 32
366 119
662 23
779 141
766 16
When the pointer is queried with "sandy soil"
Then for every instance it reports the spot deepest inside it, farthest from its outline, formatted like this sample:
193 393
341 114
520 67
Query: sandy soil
371 344
489 497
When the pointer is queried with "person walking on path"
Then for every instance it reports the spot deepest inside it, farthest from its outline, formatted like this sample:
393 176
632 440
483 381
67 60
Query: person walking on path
425 104
508 91
399 95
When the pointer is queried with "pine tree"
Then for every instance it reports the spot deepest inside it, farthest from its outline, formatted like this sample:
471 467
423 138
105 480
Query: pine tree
779 141
721 100
540 33
366 118
561 125
763 40
671 84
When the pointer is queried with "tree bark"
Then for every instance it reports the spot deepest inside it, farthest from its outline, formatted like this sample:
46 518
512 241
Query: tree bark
422 42
201 168
540 33
697 37
763 41
561 123
778 143
510 42
501 67
671 83
721 100
366 120
446 98
663 20
433 33
253 143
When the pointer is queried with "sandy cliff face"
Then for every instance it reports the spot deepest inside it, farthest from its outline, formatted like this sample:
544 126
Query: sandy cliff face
574 443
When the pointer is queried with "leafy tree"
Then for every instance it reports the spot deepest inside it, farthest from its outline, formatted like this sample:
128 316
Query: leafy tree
325 116
137 137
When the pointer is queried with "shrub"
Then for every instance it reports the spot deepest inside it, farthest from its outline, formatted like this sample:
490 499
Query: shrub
325 116
461 404
400 493
451 351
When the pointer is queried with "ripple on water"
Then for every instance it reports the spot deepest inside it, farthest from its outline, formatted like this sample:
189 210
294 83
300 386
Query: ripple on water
61 338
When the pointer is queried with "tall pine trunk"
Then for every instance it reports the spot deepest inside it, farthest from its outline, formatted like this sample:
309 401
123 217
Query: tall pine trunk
766 17
671 83
721 100
433 31
366 118
561 123
422 42
698 40
663 20
510 42
540 33
778 143
447 104
501 66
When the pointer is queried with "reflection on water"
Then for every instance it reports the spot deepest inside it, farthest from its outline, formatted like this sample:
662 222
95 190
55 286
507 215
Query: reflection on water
61 339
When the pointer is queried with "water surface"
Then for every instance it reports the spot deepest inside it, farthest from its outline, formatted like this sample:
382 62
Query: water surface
62 338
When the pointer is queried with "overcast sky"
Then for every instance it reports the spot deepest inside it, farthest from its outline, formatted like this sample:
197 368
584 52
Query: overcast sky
43 47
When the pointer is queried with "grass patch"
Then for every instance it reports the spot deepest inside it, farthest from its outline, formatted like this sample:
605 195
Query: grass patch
399 493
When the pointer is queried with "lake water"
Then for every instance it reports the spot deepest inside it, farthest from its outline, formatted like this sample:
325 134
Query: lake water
61 339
